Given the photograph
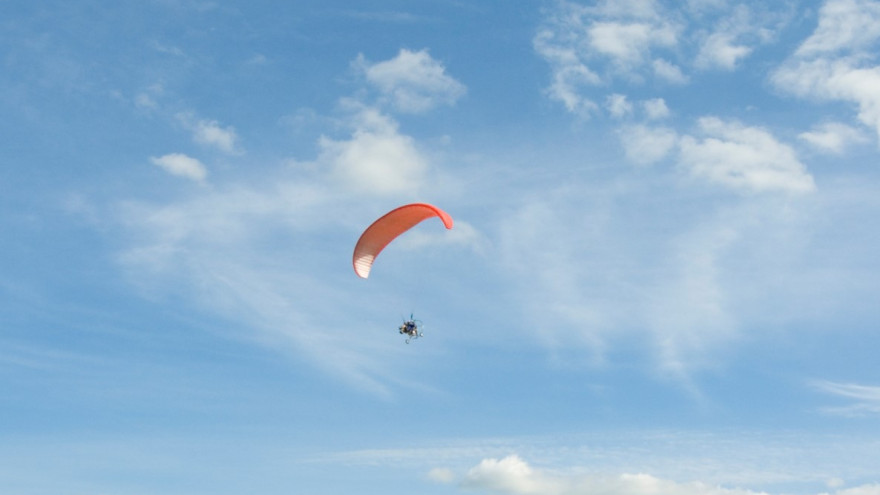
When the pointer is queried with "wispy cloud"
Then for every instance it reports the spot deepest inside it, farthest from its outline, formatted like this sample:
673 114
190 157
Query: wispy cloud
865 398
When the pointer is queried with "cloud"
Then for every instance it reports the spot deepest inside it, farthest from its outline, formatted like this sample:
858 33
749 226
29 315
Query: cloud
656 108
210 133
509 475
627 44
588 47
512 475
618 105
844 25
645 145
736 35
866 398
837 62
572 37
182 166
744 158
570 72
720 50
377 160
833 137
669 72
414 82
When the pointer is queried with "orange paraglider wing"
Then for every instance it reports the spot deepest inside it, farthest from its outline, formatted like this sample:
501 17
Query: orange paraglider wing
387 228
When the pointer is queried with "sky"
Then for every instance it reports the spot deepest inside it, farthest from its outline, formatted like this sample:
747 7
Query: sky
662 277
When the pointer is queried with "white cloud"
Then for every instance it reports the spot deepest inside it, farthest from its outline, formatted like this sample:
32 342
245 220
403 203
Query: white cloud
210 133
509 475
645 145
843 25
744 158
656 108
573 37
837 62
669 72
873 489
866 398
720 50
182 166
414 82
835 80
627 44
618 105
570 73
512 475
833 137
588 47
377 159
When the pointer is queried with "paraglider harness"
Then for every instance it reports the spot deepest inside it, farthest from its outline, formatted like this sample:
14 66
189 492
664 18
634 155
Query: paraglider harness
411 328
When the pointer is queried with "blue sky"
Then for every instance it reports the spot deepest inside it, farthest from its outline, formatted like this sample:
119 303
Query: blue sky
662 278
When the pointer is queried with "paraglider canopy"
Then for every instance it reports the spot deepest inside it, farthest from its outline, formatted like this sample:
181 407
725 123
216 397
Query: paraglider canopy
387 228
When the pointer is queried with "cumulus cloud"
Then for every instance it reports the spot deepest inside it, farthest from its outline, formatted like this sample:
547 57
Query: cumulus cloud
721 50
377 159
512 475
833 137
413 82
838 61
509 475
744 158
669 72
181 165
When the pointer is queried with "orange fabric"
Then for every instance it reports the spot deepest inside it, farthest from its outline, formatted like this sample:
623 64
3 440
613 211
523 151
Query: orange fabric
384 230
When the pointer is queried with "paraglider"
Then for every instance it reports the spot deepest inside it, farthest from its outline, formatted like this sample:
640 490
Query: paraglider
381 233
387 228
412 328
